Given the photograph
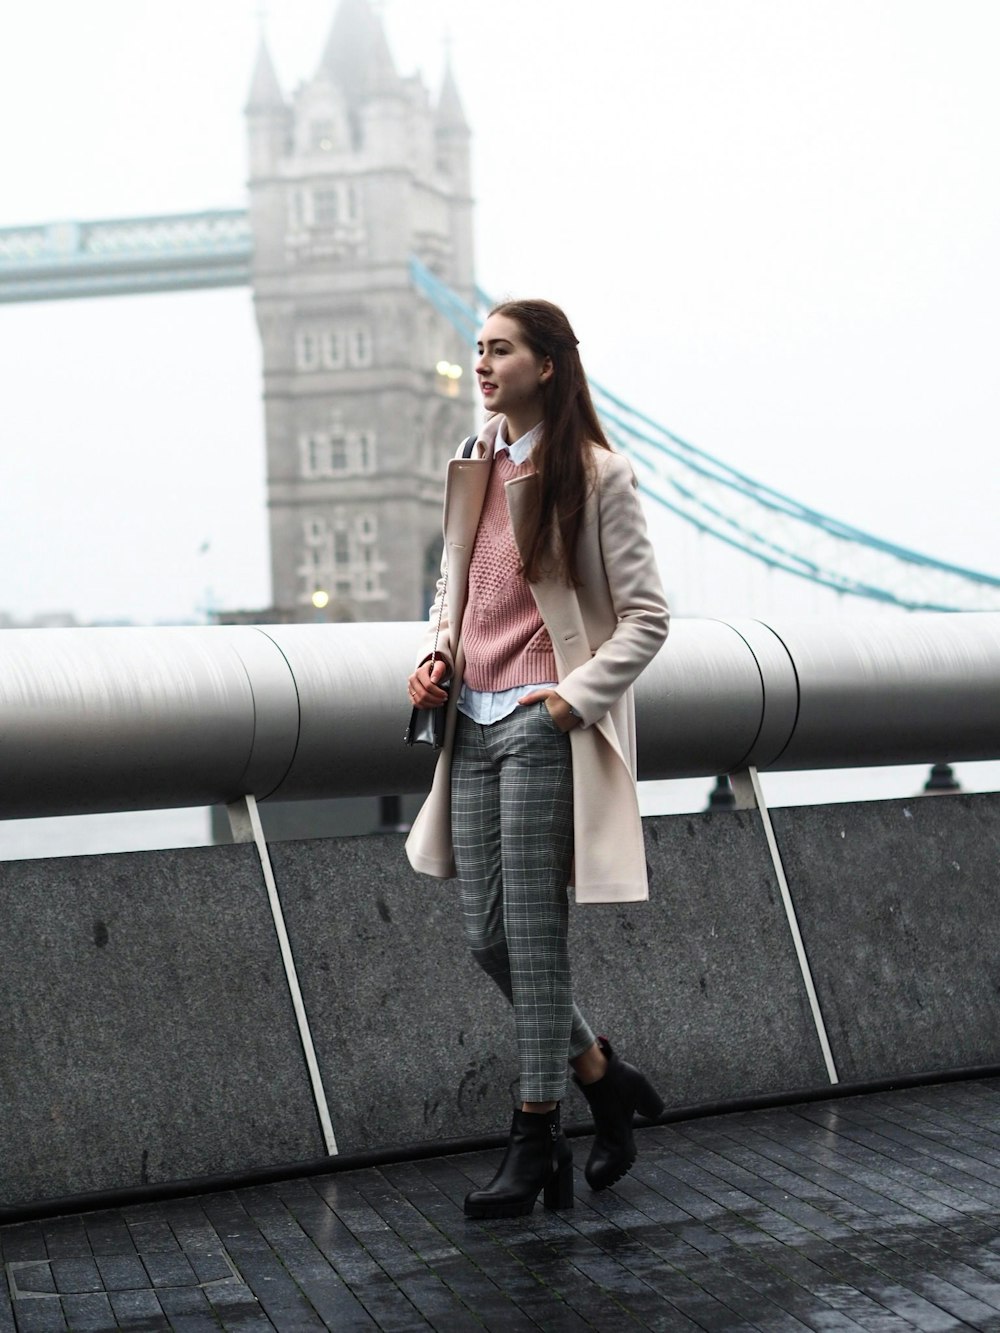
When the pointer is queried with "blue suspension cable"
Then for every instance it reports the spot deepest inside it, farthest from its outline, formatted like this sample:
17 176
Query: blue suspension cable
663 442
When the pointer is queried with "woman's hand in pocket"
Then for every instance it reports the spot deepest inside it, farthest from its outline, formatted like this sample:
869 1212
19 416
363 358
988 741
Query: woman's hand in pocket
559 709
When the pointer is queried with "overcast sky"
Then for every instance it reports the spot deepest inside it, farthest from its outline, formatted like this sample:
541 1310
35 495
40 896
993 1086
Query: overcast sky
773 223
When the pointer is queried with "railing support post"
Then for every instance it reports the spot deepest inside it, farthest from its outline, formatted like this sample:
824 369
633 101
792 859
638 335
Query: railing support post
244 820
750 796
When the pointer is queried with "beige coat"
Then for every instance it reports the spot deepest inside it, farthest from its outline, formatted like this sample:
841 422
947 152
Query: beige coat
603 634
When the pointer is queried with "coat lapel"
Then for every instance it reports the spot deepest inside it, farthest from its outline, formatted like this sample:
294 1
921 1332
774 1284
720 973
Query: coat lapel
465 492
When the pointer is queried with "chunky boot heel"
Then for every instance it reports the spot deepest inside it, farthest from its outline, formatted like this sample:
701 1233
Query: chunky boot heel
538 1158
559 1188
614 1100
648 1102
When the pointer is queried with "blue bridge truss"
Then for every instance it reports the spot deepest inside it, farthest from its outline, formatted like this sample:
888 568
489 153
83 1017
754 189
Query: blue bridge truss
118 257
748 516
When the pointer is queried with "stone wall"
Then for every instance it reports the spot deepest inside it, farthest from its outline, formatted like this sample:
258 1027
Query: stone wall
149 1034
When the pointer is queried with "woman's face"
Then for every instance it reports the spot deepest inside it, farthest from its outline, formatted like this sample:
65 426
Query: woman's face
511 376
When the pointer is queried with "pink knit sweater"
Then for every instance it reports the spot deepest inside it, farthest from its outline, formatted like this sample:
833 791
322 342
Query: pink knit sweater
505 642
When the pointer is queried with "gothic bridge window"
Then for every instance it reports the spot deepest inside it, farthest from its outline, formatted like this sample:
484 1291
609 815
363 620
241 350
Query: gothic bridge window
340 557
336 452
328 206
334 347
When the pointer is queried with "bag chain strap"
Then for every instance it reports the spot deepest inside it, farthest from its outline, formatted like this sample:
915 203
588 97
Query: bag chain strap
437 632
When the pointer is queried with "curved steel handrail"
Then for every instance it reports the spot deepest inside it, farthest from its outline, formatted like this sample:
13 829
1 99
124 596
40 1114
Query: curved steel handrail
141 718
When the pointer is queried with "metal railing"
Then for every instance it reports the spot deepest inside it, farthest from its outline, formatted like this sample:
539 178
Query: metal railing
122 719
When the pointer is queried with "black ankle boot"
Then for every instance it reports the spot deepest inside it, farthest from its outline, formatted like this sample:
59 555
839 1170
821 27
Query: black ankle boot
537 1158
614 1099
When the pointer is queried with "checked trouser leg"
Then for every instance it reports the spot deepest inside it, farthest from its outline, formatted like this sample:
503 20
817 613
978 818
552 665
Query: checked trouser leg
512 829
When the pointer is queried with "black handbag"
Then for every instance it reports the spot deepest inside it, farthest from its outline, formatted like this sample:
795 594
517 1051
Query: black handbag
427 724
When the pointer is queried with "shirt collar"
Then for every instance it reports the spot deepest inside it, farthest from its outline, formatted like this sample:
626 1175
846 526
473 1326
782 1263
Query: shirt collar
520 450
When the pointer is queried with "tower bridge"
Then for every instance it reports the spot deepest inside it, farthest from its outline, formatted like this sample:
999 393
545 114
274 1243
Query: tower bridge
357 244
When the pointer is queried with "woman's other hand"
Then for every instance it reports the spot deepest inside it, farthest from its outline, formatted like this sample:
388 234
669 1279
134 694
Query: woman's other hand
564 718
425 690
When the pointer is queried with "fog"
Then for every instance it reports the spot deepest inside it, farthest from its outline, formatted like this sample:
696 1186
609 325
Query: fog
773 224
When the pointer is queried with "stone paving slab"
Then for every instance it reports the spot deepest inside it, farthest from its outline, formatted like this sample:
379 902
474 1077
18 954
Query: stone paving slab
878 1213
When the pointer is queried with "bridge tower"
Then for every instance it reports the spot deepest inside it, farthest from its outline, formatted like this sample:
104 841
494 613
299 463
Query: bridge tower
358 171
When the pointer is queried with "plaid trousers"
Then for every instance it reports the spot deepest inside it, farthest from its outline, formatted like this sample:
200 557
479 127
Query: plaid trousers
512 831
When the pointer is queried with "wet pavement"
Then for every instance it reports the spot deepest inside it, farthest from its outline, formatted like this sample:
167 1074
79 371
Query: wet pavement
877 1212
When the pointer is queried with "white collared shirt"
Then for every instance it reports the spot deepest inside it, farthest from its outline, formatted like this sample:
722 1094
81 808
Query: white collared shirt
489 706
520 450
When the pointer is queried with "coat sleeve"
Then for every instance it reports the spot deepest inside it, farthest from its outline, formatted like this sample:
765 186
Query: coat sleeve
636 595
439 608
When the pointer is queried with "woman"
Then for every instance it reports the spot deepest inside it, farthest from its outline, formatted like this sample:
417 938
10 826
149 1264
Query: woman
548 608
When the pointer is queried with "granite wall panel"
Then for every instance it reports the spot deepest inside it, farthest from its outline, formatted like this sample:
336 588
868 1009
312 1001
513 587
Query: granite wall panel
411 1044
898 904
149 1034
700 985
147 1031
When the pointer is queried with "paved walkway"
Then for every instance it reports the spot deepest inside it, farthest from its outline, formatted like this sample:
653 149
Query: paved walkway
878 1213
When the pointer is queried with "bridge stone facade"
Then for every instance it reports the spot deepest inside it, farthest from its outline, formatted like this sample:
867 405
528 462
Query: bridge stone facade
363 404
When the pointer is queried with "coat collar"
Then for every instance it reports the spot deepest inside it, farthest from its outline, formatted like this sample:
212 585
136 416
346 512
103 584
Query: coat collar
487 437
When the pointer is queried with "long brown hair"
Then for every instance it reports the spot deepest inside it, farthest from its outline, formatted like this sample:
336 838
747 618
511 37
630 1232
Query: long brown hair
561 456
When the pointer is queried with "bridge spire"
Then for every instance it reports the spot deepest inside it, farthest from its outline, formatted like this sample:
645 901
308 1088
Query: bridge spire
450 112
268 115
265 90
357 57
